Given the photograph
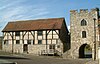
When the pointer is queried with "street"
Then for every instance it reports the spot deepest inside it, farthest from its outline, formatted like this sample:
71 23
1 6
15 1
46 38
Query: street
30 59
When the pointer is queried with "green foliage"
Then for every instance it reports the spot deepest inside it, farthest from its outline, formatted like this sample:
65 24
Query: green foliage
88 48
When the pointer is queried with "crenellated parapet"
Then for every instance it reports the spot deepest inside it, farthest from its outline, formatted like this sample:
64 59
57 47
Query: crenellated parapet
84 11
95 9
73 11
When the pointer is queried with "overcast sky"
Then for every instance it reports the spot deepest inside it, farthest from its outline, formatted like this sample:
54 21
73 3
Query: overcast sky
11 10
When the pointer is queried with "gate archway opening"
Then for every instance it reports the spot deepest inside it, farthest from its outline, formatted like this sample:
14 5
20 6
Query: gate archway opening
85 51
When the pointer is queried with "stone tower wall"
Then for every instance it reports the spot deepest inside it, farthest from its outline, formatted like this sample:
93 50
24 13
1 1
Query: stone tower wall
76 31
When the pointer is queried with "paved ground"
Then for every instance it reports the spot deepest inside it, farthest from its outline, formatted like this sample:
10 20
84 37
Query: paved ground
92 62
30 59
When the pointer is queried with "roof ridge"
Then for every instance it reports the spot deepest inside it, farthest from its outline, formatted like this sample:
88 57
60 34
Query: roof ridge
43 24
37 19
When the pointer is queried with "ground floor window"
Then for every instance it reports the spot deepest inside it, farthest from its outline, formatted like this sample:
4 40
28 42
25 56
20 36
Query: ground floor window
52 46
33 42
39 41
17 41
28 41
5 41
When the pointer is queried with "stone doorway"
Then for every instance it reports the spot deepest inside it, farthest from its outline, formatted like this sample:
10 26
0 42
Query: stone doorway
85 51
25 48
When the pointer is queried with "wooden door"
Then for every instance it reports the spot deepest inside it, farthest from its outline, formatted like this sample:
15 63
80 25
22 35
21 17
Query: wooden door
25 48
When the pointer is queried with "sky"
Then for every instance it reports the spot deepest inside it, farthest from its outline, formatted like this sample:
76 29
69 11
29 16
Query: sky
14 10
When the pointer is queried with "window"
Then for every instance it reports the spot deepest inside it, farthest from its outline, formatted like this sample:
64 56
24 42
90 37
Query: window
17 41
83 23
5 41
33 41
17 33
28 41
83 34
58 46
39 41
39 33
51 46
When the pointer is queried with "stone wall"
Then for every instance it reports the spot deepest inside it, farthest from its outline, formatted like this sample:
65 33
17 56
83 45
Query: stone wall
76 31
18 48
7 48
36 49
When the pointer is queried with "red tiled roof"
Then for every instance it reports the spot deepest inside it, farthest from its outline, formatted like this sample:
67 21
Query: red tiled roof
40 24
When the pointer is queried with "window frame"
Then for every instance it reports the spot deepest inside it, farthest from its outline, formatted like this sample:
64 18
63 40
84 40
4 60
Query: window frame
84 34
40 33
6 42
33 42
29 42
17 33
52 46
17 41
83 23
39 41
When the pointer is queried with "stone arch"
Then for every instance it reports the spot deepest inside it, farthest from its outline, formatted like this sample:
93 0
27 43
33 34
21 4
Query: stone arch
85 51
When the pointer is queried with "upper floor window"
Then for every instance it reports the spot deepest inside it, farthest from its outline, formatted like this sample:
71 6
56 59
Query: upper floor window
39 33
17 33
83 34
83 23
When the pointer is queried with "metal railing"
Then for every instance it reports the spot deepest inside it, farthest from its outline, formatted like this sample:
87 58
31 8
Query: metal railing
50 51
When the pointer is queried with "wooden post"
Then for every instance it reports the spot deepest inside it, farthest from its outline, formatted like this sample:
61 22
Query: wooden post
46 43
12 42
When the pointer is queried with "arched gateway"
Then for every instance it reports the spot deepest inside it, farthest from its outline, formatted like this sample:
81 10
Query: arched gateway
85 51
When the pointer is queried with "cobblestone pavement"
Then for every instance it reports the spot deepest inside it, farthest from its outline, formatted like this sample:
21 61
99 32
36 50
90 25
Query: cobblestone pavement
29 59
92 62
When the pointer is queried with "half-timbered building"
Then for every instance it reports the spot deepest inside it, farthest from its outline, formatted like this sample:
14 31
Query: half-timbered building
42 36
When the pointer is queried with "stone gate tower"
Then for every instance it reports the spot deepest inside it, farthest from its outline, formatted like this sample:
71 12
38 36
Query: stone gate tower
84 31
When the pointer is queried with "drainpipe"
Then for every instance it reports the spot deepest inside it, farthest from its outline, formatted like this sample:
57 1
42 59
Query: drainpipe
94 39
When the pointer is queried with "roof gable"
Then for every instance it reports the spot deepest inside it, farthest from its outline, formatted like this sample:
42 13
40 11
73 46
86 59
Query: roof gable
40 24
